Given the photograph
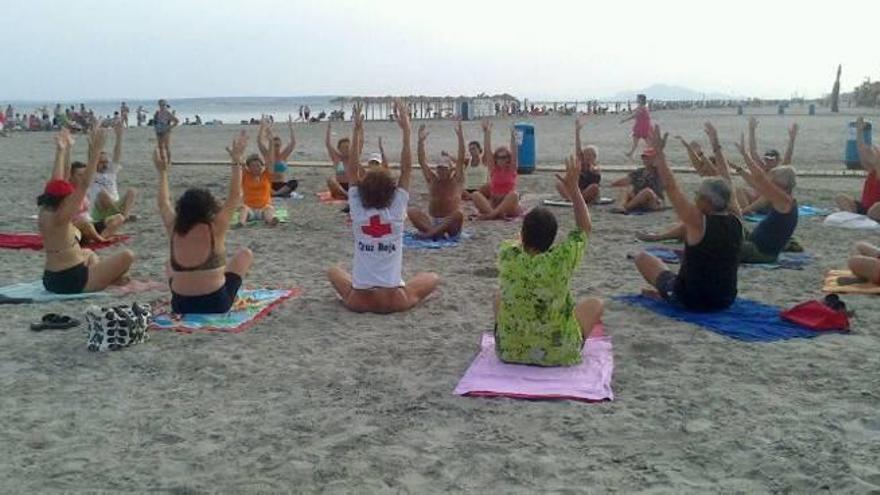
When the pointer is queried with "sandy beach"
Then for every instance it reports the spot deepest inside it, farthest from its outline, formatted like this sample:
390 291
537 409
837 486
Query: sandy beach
315 398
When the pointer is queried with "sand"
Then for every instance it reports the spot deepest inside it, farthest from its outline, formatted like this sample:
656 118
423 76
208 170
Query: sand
316 398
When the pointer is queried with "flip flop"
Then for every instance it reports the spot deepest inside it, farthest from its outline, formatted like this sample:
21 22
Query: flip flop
53 321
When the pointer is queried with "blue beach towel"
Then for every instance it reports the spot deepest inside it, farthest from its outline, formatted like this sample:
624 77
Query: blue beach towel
745 320
38 294
412 241
803 211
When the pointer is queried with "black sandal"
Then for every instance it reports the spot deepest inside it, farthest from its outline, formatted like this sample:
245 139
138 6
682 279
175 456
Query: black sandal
54 321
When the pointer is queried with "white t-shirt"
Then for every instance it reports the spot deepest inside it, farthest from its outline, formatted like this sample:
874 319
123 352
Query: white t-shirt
105 181
378 241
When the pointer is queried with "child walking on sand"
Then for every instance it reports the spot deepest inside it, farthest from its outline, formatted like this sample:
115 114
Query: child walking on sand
642 126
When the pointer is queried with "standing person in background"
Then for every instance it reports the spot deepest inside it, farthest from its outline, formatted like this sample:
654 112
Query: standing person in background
306 112
123 113
642 126
141 116
164 121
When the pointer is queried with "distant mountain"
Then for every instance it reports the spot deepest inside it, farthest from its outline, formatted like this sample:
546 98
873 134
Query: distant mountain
667 92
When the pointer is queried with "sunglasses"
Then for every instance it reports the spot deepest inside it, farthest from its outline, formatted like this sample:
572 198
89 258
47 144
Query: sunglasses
502 157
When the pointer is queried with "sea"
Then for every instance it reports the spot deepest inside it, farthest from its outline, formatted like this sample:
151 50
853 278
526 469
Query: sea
228 110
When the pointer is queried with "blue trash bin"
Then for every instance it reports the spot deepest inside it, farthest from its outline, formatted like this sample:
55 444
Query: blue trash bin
525 147
852 150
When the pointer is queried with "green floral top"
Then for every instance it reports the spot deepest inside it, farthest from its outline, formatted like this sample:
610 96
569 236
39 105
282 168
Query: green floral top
536 323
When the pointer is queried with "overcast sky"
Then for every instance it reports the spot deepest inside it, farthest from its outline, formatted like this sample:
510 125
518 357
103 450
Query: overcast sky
94 49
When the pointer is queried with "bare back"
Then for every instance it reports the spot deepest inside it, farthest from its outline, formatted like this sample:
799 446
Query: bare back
60 242
198 260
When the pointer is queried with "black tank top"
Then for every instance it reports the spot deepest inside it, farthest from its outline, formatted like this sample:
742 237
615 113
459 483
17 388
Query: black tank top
707 279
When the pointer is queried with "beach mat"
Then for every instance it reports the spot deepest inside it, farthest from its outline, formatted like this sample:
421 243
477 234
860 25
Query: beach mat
35 292
35 241
326 197
250 306
281 214
589 381
412 241
847 220
789 261
803 211
831 285
567 203
745 320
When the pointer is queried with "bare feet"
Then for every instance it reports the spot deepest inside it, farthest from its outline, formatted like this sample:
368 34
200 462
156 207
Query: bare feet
648 237
652 294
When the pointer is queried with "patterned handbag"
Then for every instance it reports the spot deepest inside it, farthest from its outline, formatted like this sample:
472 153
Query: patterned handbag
117 327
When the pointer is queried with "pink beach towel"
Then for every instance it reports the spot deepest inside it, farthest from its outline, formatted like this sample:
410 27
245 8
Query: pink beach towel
589 381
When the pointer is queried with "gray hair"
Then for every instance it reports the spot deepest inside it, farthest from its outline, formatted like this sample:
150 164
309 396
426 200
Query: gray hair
784 177
716 191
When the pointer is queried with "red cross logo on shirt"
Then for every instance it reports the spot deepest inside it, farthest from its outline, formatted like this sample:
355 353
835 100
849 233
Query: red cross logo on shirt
376 228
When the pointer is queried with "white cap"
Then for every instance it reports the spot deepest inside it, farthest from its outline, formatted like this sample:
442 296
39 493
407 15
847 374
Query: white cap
375 157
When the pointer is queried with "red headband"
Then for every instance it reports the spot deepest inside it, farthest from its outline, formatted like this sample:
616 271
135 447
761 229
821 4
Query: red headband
58 188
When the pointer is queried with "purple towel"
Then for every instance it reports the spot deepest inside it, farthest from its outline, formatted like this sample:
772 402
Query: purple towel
589 381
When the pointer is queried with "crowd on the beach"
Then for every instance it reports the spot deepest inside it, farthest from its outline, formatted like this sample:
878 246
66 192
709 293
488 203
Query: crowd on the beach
79 119
536 319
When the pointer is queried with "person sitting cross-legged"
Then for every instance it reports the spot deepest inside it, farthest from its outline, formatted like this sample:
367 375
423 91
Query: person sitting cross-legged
445 185
537 320
378 211
707 279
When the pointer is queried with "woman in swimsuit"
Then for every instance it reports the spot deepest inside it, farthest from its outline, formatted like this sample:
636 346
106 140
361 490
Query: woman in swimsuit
201 280
503 200
590 176
270 148
378 206
163 122
70 269
338 184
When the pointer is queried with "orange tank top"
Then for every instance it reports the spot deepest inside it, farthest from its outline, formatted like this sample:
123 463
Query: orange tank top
257 191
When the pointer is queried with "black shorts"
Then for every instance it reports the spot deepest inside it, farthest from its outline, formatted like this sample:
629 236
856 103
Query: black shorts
292 184
860 208
344 185
219 301
588 178
665 285
70 281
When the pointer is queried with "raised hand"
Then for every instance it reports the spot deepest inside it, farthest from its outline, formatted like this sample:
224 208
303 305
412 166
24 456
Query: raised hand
160 160
423 133
239 146
486 125
118 127
793 130
458 130
62 139
658 140
572 173
753 123
860 124
711 132
578 124
381 149
401 115
740 146
97 138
